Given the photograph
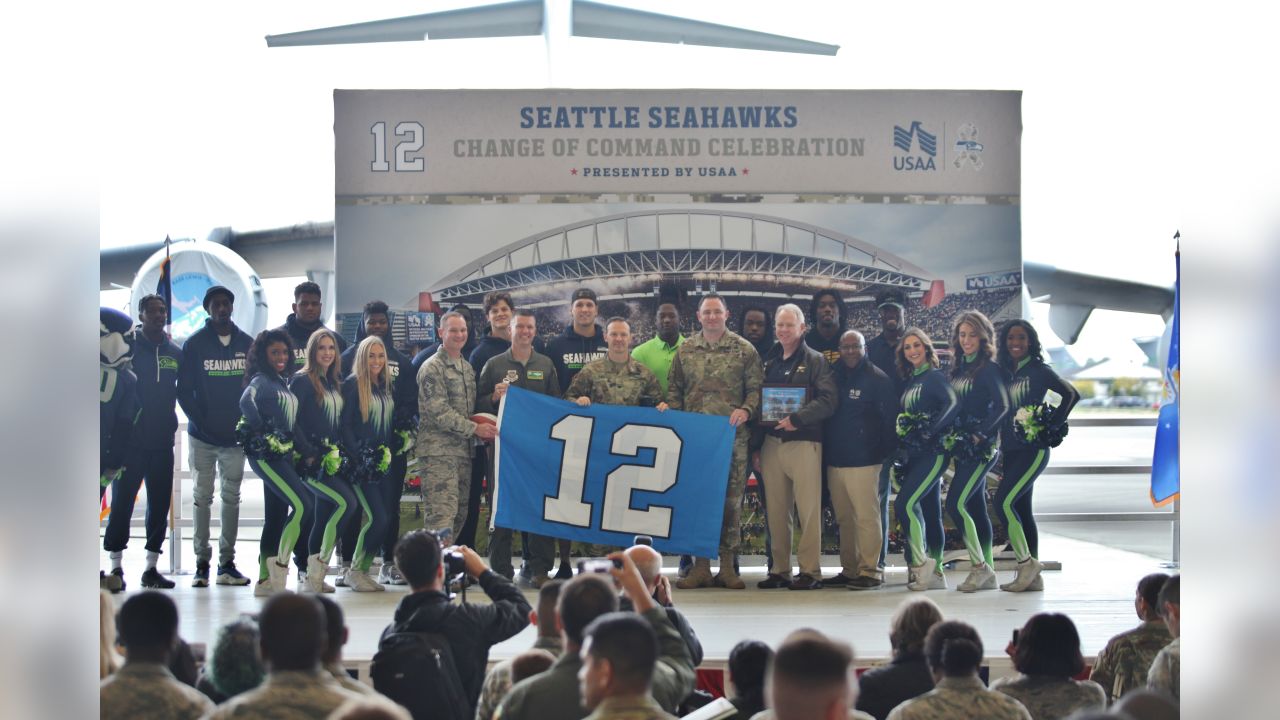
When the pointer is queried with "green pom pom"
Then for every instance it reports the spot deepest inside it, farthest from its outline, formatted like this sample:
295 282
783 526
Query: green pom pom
384 461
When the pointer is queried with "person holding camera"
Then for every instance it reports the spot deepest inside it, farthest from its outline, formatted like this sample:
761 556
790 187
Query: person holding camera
469 630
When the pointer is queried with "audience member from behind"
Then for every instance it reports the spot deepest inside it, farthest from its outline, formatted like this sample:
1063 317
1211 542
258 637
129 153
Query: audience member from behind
144 687
469 629
1047 656
501 676
619 652
234 665
1124 662
292 640
649 562
811 678
370 707
335 631
530 663
557 693
108 659
907 675
954 652
1165 668
748 661
1143 704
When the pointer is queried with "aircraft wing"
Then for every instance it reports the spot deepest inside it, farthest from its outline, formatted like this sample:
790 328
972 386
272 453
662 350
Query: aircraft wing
528 17
512 19
1072 296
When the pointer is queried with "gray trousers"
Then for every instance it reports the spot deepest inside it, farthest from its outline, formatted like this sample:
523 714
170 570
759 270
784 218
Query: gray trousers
204 459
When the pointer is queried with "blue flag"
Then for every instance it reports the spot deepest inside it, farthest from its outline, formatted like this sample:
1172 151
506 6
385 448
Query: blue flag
1164 464
606 473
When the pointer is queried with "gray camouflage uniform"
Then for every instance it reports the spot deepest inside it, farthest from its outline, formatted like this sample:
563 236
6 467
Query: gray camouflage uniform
1050 698
611 383
1165 670
960 698
629 708
716 379
446 400
1124 662
347 682
287 695
141 689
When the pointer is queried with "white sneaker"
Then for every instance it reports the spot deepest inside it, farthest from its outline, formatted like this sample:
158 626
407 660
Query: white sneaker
278 575
1036 585
342 575
390 575
921 576
359 581
981 577
1028 571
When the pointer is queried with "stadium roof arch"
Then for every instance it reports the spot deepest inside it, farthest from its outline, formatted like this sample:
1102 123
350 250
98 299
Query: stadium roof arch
715 245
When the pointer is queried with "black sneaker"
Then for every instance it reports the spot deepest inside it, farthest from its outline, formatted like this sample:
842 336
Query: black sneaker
152 578
864 583
840 580
201 578
805 582
229 575
773 582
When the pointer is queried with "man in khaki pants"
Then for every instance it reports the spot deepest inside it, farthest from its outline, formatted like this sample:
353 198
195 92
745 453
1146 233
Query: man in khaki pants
859 437
789 453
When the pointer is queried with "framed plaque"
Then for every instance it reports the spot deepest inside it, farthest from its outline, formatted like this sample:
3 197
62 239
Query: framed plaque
778 401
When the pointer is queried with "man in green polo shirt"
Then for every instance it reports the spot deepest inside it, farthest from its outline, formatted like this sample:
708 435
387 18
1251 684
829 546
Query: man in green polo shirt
657 353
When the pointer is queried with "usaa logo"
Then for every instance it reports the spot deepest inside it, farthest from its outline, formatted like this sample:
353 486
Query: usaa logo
919 148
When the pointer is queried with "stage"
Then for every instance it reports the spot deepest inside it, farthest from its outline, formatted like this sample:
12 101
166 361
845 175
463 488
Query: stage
1094 588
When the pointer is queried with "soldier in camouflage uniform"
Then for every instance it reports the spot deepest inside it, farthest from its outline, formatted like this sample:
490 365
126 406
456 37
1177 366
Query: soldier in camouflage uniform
144 687
959 693
446 400
617 379
1123 664
1165 671
717 372
293 634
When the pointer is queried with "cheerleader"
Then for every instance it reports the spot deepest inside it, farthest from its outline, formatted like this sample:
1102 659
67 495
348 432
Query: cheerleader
318 387
269 411
928 407
367 408
1031 428
979 385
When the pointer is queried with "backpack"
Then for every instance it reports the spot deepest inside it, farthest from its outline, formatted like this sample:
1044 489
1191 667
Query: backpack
417 670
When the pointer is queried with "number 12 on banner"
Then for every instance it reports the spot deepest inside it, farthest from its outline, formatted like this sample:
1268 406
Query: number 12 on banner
616 515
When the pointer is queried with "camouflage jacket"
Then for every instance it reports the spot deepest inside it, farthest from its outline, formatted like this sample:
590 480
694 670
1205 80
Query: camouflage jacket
716 378
347 682
498 681
446 400
1123 664
149 690
611 383
1165 669
285 695
1049 698
961 698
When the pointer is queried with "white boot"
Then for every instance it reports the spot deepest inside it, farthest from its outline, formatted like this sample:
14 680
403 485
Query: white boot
922 575
981 577
1028 571
316 569
277 575
359 581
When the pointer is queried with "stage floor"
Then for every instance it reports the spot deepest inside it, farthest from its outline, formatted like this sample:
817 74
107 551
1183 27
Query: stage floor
1094 588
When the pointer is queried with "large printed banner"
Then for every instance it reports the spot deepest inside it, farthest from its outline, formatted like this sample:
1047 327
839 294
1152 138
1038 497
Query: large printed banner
606 473
418 142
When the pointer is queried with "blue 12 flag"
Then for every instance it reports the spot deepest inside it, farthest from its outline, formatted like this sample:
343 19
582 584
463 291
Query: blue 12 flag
605 473
1165 485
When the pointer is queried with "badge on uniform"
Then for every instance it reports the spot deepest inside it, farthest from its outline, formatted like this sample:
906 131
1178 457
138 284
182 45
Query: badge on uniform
535 374
513 376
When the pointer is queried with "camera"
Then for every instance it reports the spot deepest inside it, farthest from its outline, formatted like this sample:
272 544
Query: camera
454 564
642 540
598 566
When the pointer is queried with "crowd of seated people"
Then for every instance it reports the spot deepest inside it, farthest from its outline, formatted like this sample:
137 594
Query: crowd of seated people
610 644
